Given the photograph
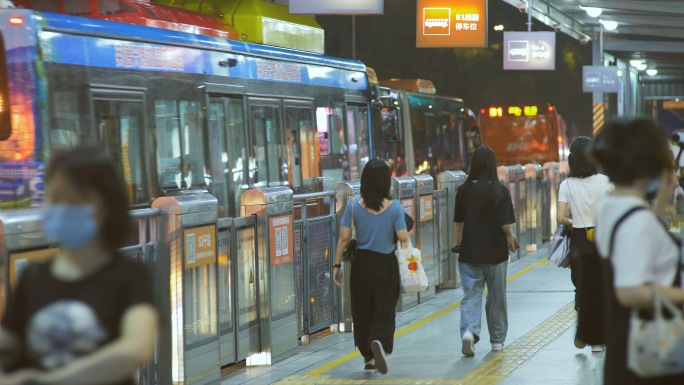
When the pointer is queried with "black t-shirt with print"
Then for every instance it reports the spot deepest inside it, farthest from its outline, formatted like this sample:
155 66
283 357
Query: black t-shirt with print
58 322
483 241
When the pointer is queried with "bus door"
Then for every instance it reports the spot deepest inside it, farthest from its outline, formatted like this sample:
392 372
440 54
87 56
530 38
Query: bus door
227 155
359 141
301 146
118 126
268 164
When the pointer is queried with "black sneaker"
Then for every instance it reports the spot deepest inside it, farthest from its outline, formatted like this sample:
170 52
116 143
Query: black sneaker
370 368
379 354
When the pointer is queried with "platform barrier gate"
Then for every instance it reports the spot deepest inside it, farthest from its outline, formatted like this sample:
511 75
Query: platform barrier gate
424 222
533 174
403 189
315 242
273 209
449 181
345 191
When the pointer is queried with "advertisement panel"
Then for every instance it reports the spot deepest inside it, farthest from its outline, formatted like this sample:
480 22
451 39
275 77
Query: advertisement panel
336 7
426 212
200 246
529 51
448 23
281 240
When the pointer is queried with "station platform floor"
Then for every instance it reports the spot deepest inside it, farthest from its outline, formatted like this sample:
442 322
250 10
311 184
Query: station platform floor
539 347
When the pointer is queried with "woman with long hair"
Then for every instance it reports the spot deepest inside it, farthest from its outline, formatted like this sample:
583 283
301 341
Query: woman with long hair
483 217
581 192
374 282
635 247
87 316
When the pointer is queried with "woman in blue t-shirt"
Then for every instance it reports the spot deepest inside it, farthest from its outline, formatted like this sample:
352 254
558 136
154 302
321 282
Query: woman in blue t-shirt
87 316
374 281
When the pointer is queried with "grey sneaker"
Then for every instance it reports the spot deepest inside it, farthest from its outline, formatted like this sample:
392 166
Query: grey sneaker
468 341
497 347
379 354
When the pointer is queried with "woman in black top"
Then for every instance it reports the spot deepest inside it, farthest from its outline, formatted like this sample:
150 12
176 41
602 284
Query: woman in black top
483 216
86 317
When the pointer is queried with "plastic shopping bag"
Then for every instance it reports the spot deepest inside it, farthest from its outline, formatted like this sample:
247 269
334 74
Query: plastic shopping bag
413 277
559 250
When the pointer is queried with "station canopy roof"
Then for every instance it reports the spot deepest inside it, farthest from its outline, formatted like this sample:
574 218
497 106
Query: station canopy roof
648 30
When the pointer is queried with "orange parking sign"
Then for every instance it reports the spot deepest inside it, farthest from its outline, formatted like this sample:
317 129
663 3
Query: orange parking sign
451 23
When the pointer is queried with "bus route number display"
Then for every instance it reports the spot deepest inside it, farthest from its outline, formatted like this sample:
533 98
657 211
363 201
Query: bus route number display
281 240
200 246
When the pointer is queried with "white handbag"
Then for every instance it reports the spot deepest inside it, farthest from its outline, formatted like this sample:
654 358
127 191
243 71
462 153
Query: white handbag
413 277
656 347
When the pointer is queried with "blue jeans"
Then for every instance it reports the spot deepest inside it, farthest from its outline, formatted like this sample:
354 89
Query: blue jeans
473 277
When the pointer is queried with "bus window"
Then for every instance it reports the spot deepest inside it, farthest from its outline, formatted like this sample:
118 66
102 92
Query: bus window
65 121
5 116
391 131
238 154
350 169
168 143
119 124
265 148
192 144
363 138
77 7
44 5
217 156
301 149
114 7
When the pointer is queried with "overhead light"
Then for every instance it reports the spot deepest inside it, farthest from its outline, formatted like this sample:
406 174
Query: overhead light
619 72
609 24
499 27
635 63
642 67
652 72
593 12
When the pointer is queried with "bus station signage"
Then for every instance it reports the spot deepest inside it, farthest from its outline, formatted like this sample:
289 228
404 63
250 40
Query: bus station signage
600 79
336 7
449 23
529 51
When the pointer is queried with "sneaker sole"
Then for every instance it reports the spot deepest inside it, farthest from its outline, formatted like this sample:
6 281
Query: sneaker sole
370 371
379 354
468 348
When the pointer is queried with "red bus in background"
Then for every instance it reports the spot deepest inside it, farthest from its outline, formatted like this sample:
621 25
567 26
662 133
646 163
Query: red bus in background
524 134
138 12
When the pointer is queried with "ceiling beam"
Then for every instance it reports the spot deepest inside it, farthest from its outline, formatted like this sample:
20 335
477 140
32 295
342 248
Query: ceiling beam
644 20
544 11
644 46
639 6
652 31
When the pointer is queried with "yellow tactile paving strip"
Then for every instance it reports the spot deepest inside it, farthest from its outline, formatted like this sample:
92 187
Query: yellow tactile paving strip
490 372
512 357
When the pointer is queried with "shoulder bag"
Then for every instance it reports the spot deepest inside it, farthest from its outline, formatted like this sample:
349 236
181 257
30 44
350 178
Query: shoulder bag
351 251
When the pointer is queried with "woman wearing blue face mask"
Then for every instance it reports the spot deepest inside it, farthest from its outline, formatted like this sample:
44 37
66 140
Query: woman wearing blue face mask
86 317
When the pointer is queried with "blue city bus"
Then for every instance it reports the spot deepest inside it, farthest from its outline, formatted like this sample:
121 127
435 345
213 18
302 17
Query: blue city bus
175 110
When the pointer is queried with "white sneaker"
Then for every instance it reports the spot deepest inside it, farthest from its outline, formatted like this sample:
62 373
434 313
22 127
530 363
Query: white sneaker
597 348
380 359
497 347
468 341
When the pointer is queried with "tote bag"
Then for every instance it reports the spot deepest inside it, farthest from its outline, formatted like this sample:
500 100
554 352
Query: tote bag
413 277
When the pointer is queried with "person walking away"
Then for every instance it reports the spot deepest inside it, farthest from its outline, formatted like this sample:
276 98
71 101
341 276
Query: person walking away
375 284
635 248
582 192
483 217
86 317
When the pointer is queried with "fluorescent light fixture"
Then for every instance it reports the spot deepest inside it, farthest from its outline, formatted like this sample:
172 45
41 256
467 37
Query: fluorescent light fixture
609 24
593 12
652 72
642 67
635 63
